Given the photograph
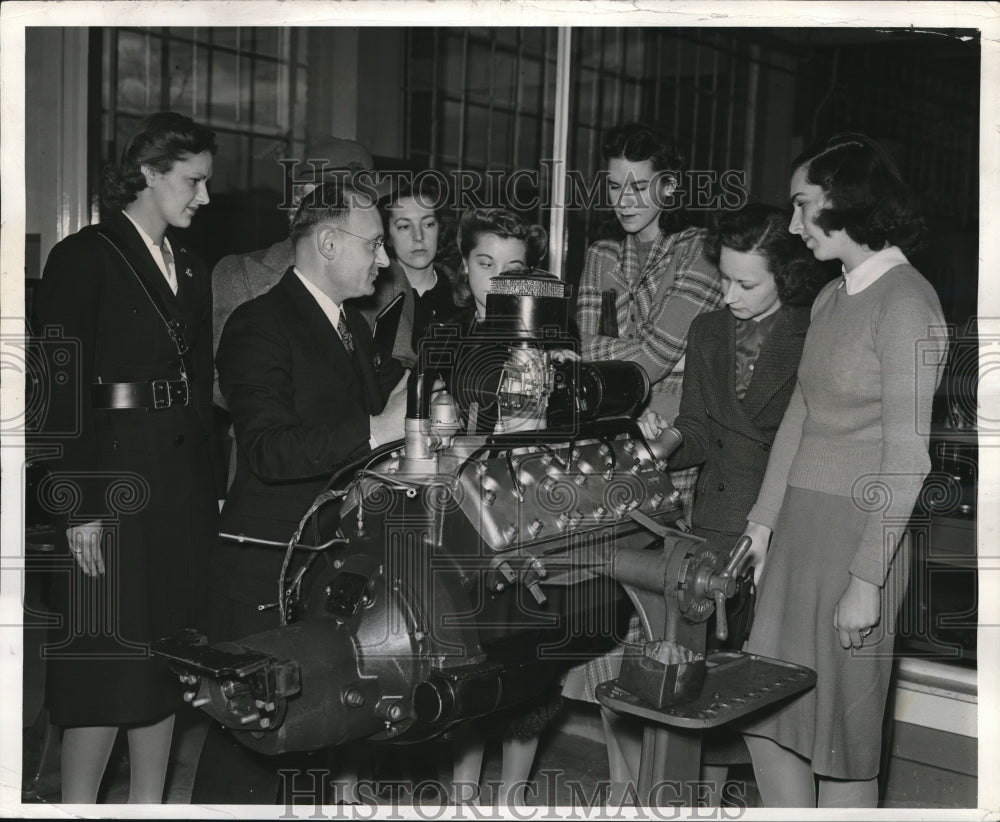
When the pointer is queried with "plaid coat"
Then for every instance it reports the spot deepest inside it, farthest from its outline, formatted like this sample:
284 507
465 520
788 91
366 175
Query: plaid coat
654 306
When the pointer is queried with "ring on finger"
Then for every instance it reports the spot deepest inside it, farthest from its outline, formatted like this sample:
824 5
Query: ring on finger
866 631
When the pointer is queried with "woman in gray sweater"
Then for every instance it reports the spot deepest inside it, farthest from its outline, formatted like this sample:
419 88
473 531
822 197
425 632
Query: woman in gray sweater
847 464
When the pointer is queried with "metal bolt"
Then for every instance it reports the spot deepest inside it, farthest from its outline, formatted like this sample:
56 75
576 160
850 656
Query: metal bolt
265 723
338 563
395 713
354 698
246 720
189 695
489 496
199 702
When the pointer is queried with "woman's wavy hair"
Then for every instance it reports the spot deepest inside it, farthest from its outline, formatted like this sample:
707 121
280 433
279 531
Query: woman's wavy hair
157 141
505 224
427 189
865 192
763 229
638 141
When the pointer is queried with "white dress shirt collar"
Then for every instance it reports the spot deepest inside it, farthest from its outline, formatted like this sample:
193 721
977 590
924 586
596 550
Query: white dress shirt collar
867 272
168 269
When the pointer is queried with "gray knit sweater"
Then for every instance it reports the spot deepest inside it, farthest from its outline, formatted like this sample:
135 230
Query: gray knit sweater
858 422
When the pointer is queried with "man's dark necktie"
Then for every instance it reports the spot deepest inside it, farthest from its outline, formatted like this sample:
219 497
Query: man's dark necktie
345 334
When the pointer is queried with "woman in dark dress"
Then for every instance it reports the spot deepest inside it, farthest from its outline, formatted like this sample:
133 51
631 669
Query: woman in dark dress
134 486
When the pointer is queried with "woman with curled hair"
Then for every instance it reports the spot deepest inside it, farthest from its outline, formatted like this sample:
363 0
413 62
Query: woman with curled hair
741 365
845 469
137 445
493 241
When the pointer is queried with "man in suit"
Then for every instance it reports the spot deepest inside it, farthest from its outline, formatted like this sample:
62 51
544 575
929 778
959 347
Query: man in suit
238 278
309 394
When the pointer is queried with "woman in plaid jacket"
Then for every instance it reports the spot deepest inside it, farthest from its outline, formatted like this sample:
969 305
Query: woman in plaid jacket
637 297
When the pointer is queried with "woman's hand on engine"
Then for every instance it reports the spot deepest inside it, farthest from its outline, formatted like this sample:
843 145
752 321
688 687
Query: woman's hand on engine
651 424
760 539
565 355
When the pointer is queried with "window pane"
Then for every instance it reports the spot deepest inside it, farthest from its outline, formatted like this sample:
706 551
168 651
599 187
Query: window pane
225 36
182 76
265 91
450 71
246 89
612 49
586 96
266 41
504 88
506 35
229 162
420 121
477 85
610 100
533 39
527 143
501 132
476 125
299 120
138 71
531 84
224 89
450 130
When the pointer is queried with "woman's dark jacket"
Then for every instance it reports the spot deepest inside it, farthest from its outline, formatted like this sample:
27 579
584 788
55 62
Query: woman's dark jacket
730 438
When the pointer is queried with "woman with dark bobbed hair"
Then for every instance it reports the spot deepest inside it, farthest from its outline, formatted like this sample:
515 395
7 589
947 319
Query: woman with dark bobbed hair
139 468
845 469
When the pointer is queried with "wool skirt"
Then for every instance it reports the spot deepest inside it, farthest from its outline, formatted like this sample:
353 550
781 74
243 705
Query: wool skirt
838 724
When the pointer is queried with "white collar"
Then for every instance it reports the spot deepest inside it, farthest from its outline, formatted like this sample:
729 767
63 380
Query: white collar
145 237
328 306
868 271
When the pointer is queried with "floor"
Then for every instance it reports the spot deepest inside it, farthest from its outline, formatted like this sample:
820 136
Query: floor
568 768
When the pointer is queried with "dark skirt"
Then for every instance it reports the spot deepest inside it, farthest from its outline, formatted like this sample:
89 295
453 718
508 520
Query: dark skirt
161 516
838 724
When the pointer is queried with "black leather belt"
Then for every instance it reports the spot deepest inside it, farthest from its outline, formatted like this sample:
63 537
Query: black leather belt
154 395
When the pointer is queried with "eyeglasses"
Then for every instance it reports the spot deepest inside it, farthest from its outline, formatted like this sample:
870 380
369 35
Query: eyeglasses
373 244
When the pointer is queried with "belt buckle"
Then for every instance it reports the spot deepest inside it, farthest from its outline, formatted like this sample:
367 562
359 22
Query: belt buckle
185 392
161 395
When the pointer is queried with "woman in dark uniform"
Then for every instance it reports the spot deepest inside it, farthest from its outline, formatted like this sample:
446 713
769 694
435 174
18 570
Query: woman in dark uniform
135 485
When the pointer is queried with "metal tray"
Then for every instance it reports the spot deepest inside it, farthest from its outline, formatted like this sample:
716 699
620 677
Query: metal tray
736 684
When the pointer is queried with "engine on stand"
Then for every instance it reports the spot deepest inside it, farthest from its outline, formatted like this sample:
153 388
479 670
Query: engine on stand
466 570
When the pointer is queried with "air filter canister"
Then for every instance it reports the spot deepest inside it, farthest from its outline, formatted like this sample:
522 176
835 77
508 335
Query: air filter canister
528 304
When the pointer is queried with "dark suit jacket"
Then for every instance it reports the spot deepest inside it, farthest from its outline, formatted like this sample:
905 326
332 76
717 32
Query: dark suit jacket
300 405
729 438
238 278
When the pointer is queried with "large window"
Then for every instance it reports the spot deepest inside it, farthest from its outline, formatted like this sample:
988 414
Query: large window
484 99
247 84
